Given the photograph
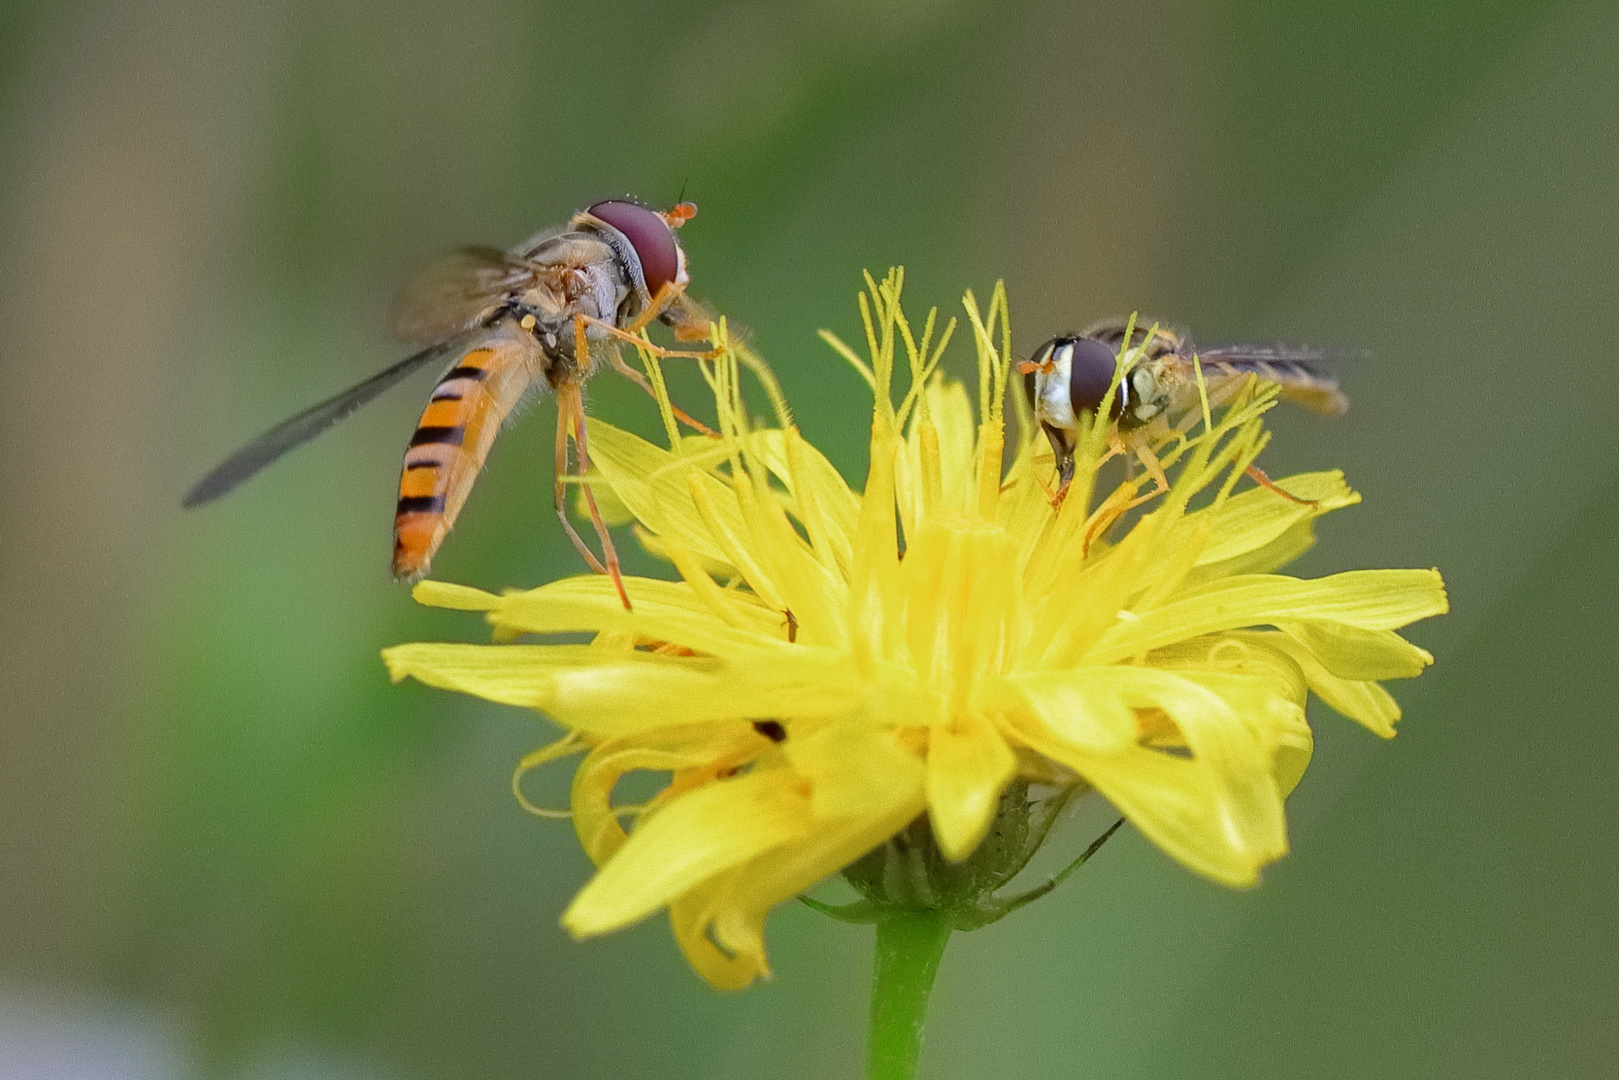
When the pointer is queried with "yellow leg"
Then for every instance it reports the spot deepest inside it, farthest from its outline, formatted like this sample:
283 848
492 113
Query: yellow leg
1155 469
565 402
581 353
1115 506
640 380
582 464
642 343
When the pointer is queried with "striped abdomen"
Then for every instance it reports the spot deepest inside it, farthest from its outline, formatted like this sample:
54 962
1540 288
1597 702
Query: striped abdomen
453 438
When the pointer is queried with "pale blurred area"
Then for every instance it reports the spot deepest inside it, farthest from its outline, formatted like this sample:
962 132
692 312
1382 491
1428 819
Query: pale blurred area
229 848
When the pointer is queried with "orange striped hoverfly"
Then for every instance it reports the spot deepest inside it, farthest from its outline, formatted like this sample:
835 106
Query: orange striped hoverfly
544 313
1070 375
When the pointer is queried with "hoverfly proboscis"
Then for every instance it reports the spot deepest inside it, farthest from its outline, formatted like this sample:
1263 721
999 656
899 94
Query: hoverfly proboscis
1071 374
543 314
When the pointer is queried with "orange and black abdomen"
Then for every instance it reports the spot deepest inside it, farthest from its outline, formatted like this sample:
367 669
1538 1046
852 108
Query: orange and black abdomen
452 440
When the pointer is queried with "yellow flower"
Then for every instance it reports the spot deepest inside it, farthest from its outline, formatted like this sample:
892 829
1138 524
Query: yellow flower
832 664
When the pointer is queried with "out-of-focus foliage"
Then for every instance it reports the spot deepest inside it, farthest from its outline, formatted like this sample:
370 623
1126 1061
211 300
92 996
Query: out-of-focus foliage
221 819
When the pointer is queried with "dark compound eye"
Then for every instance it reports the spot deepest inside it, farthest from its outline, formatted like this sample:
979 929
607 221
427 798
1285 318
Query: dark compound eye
650 237
1090 373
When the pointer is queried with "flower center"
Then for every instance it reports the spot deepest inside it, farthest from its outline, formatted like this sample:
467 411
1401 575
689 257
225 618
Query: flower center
961 590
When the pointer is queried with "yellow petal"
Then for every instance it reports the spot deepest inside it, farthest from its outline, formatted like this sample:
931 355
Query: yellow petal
1294 747
674 750
875 624
1247 522
616 693
1219 811
1079 600
656 486
938 470
617 698
1364 702
1078 712
1351 652
459 597
854 770
961 597
691 918
729 909
659 547
700 834
1369 599
669 611
1295 541
1273 710
799 581
509 674
969 765
818 494
608 504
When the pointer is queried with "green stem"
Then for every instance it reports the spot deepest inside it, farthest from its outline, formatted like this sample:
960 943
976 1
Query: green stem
909 945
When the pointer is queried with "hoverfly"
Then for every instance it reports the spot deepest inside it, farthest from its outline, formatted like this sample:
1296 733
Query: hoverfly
544 313
1070 375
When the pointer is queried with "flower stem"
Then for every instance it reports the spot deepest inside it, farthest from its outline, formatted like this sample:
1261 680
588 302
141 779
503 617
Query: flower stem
909 945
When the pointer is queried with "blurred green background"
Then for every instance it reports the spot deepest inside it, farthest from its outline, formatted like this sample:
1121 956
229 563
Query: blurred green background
230 848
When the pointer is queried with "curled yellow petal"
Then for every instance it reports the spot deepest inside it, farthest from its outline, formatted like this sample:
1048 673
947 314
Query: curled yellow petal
702 833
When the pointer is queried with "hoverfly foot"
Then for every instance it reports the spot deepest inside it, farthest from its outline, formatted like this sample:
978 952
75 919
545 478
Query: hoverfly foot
1257 475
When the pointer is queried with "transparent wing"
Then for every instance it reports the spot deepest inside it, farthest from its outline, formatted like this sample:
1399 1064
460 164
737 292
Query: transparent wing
1302 373
1320 360
457 292
303 427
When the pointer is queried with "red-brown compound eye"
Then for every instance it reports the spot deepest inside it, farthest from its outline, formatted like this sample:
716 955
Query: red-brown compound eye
1090 373
649 237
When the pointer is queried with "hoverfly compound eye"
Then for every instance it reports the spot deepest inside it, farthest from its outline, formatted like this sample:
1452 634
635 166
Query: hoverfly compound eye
649 238
1090 366
1070 375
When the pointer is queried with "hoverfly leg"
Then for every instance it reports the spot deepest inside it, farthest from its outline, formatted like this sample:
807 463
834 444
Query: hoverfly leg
1257 475
561 489
571 425
1155 469
661 305
581 321
564 468
666 295
581 442
1115 448
1065 477
1062 457
1112 509
1055 498
667 305
640 380
642 343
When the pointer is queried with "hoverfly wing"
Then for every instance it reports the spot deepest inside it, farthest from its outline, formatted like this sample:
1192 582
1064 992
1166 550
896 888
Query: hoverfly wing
299 429
456 293
1301 373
